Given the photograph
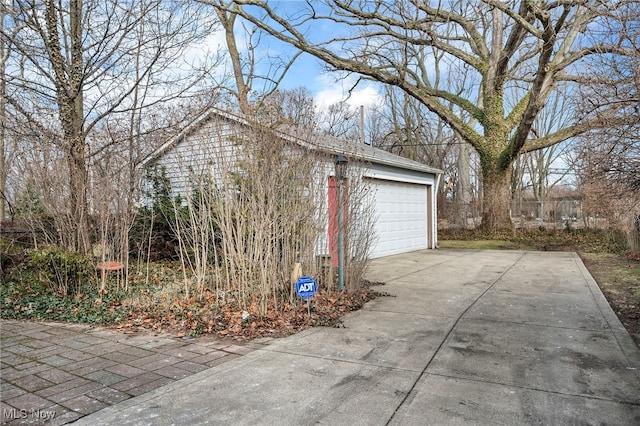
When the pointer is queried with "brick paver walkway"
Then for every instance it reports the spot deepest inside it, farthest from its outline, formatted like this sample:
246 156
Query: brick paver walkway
55 373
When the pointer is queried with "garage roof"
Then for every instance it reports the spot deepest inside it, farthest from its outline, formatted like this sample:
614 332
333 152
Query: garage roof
327 144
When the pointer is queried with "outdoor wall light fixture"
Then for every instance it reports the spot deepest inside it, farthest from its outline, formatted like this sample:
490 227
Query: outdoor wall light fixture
340 163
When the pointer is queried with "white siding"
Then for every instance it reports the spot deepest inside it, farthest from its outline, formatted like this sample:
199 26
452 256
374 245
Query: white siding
209 152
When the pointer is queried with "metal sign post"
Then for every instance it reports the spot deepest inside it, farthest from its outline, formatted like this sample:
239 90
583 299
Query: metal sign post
340 163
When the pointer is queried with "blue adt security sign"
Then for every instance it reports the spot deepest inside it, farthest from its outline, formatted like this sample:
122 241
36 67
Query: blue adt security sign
306 287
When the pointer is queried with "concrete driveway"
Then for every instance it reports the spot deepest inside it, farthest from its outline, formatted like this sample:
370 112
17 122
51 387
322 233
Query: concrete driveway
466 337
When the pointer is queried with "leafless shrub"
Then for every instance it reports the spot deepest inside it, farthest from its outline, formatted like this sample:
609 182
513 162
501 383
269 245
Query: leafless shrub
112 218
257 208
360 227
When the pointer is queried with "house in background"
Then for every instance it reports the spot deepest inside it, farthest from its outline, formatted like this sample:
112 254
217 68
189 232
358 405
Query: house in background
402 192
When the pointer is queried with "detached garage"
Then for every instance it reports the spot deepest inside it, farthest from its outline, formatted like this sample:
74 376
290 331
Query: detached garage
400 226
404 203
401 192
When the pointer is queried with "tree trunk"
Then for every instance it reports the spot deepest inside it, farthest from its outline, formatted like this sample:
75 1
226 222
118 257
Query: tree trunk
463 193
3 165
228 19
69 80
496 205
78 178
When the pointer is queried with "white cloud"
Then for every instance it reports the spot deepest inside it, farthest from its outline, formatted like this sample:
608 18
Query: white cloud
211 45
305 72
332 91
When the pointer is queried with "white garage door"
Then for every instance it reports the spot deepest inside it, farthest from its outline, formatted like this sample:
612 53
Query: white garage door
401 217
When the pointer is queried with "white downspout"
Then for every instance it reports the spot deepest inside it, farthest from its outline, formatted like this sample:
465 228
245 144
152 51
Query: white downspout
434 214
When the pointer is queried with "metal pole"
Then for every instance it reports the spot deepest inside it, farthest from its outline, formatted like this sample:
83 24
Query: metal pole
362 139
340 237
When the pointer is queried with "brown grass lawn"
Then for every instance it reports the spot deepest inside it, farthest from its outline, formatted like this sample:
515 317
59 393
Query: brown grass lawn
619 280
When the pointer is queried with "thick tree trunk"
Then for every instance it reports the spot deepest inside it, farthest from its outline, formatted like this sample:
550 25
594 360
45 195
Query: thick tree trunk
496 203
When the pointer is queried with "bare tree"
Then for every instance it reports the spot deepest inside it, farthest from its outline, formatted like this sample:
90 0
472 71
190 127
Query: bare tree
422 136
251 76
76 63
339 120
3 150
292 108
609 159
518 52
545 168
541 175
